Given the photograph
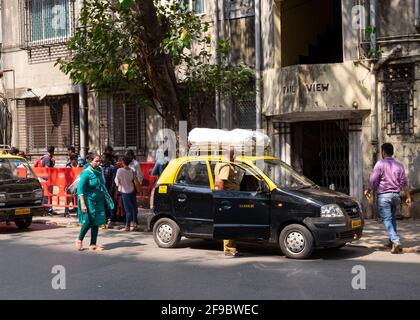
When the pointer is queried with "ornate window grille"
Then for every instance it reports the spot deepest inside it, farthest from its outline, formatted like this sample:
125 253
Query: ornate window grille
399 99
46 23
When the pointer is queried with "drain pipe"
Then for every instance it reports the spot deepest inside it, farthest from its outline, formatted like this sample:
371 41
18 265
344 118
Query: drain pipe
374 86
83 116
217 57
258 63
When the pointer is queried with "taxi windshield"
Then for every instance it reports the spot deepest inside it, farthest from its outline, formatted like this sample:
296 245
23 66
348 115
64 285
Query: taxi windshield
12 169
284 175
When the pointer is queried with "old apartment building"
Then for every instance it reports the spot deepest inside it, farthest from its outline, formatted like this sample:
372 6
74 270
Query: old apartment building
43 101
327 102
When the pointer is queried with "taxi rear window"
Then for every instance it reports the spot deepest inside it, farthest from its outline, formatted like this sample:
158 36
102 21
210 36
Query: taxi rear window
194 173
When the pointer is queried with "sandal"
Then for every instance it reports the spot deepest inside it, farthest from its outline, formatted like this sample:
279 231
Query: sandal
96 248
79 245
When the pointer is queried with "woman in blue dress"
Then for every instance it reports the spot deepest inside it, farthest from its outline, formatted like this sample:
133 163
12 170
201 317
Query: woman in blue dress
92 199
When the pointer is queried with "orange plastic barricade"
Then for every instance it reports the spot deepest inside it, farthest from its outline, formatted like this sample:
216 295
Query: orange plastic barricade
147 184
54 183
22 172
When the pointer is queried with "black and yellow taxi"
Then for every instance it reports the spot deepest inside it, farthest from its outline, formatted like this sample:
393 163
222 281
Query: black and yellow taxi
275 203
20 191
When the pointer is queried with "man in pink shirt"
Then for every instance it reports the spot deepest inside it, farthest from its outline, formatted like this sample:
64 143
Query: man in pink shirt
388 179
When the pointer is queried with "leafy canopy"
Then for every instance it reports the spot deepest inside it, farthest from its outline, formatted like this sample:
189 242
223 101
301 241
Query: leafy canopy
106 51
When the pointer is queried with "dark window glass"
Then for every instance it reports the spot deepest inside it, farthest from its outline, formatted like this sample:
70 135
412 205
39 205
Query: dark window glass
194 173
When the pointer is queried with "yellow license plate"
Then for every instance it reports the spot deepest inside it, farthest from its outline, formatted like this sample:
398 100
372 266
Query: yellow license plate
22 211
356 223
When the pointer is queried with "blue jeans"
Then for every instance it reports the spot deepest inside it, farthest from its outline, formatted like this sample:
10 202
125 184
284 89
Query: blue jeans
387 203
130 207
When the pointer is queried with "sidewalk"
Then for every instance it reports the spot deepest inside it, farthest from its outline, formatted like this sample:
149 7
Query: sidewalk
58 219
374 234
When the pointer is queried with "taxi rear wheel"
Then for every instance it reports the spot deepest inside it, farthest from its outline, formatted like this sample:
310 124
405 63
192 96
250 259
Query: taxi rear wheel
296 241
23 224
166 233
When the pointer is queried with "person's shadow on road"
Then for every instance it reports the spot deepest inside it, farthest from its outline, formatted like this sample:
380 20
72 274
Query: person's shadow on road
122 244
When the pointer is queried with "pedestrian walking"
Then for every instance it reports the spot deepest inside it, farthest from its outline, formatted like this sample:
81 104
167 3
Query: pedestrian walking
93 198
124 181
109 171
227 178
388 179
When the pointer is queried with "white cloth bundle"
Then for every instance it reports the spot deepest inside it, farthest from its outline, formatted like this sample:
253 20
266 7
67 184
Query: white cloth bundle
236 137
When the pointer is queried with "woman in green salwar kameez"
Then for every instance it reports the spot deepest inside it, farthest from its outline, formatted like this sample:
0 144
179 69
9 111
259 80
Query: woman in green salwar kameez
92 199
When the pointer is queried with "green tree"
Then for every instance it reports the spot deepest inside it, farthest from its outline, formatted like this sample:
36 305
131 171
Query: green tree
152 51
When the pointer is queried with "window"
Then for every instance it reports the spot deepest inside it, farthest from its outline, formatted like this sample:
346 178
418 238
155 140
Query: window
198 6
50 19
247 178
399 113
399 98
50 123
129 123
46 22
195 174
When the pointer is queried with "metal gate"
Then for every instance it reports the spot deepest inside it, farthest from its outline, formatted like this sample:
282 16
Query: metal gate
335 154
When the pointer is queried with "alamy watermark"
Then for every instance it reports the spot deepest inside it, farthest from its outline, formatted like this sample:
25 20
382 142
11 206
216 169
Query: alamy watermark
359 280
359 16
58 282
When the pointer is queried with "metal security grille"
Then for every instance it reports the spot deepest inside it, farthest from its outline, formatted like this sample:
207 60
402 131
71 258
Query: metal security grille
46 23
399 99
245 113
122 123
50 123
335 154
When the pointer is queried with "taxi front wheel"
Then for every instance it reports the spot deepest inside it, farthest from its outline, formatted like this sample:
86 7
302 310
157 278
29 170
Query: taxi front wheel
166 233
296 241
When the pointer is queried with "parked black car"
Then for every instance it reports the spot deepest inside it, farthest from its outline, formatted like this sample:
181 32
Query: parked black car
275 204
20 192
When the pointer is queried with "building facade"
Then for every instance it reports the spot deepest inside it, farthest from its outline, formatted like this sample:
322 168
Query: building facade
44 103
331 96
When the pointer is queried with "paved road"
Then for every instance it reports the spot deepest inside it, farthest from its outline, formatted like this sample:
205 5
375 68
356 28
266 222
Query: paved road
133 267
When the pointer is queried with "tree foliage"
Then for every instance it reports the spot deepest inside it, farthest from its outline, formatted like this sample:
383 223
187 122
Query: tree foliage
118 47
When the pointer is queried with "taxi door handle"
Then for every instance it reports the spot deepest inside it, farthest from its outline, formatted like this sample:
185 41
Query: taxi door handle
182 197
226 205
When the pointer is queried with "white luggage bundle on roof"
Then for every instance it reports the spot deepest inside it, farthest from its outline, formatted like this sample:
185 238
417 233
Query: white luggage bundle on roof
203 138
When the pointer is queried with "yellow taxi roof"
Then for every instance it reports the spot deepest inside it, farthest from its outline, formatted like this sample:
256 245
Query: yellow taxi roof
168 175
9 156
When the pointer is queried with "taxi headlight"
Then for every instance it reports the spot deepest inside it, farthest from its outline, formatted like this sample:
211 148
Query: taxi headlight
38 194
331 211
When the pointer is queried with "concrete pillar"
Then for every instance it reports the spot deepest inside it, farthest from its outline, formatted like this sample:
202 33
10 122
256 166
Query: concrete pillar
356 159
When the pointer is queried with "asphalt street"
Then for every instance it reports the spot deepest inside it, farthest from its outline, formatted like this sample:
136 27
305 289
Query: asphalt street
133 267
